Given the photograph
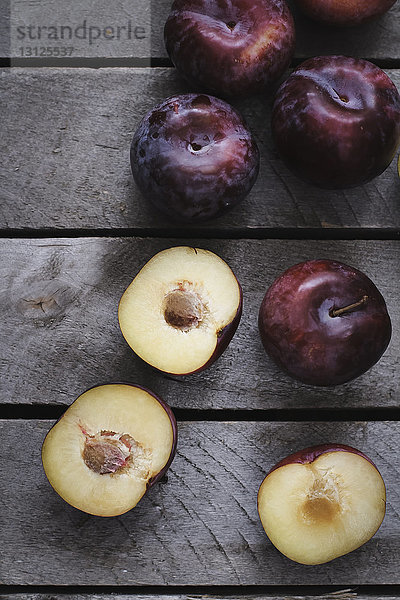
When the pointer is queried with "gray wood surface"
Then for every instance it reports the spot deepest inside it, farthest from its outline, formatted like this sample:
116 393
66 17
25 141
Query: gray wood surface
60 332
378 40
200 527
65 159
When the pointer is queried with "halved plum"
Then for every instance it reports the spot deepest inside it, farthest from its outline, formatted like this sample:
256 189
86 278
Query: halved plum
322 502
109 447
181 310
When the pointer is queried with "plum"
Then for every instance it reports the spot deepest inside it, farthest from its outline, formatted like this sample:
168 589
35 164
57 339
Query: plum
109 447
193 157
181 310
322 502
324 322
336 121
234 48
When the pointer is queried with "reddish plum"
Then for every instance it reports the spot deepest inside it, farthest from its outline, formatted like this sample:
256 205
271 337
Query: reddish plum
336 121
324 322
232 48
193 157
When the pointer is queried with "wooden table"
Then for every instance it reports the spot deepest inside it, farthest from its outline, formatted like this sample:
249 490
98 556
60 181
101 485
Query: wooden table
75 231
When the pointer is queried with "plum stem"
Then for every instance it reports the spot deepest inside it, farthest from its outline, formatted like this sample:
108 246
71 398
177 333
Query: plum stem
341 96
337 312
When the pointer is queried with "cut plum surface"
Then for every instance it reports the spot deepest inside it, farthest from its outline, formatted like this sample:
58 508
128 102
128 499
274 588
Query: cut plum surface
181 310
111 444
318 510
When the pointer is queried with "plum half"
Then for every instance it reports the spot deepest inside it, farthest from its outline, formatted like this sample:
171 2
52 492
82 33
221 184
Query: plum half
181 310
324 322
194 157
109 447
322 502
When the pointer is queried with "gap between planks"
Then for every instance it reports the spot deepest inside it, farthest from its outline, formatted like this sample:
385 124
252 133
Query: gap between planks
111 62
247 233
339 415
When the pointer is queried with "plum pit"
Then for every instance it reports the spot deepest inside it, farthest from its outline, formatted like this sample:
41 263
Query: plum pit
108 452
322 503
183 309
320 509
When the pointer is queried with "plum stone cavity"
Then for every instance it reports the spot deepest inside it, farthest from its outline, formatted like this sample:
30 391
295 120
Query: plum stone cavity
322 502
108 452
183 309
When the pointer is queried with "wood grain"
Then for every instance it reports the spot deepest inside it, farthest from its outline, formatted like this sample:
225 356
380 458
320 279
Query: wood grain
200 527
377 40
71 168
60 332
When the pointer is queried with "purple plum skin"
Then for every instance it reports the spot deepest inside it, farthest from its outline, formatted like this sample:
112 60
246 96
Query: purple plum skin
193 157
308 455
301 336
344 14
230 48
336 121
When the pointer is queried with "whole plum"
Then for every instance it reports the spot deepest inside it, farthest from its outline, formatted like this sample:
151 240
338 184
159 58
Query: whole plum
232 48
324 322
193 157
336 121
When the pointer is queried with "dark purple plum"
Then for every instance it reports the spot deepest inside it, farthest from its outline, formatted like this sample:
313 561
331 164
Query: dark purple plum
193 157
324 322
233 47
344 14
336 121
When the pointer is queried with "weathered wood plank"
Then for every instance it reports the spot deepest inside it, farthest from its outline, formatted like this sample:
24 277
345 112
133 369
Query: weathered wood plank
378 40
200 527
60 332
70 169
